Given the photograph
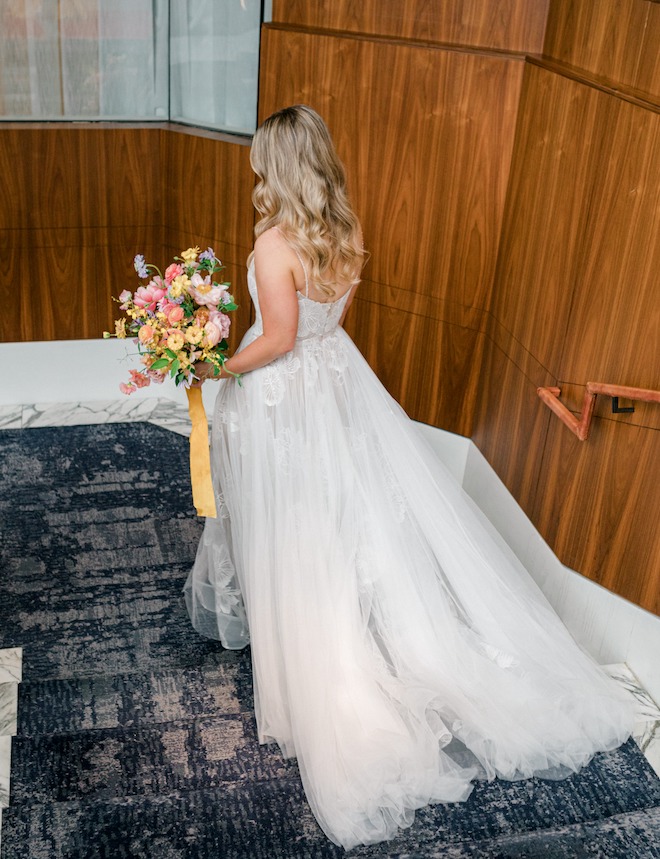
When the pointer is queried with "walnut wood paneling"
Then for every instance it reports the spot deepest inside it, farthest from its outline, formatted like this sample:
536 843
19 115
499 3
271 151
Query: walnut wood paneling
61 175
613 331
555 163
77 203
208 187
510 424
596 505
62 280
576 299
579 243
648 71
42 300
429 366
512 25
427 150
617 39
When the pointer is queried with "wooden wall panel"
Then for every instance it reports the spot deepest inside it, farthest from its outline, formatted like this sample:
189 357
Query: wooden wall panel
556 160
427 150
613 330
77 203
510 427
597 504
648 72
208 187
576 299
66 176
512 25
615 39
428 365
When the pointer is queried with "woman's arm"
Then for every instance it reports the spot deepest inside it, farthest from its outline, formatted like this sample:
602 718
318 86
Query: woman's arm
278 303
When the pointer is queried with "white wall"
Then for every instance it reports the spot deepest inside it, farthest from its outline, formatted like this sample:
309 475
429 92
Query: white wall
70 371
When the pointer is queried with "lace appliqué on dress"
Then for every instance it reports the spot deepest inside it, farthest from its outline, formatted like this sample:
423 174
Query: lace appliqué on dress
227 594
221 509
276 375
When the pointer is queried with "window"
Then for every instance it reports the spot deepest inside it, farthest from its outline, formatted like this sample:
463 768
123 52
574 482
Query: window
214 63
193 61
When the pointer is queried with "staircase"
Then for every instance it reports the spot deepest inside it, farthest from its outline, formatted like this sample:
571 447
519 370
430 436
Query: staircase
136 738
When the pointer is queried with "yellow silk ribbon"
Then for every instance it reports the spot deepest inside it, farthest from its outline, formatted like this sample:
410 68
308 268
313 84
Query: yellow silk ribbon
200 459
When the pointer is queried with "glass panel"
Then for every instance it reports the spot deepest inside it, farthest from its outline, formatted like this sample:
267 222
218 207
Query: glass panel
214 63
84 59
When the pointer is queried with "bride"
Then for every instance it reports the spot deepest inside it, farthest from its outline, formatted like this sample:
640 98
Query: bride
399 650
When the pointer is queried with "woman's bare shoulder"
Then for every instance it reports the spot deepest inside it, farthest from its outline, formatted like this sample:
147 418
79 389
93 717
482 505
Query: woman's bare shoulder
274 261
271 241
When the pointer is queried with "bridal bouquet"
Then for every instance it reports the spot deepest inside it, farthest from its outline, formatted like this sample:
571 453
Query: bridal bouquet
176 319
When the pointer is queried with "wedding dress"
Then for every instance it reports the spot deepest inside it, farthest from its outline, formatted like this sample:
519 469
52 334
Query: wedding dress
399 649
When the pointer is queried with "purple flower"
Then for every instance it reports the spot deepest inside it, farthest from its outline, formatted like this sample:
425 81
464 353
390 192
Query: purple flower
208 254
140 266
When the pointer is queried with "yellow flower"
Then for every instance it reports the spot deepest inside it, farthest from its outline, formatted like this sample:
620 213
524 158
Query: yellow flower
194 334
175 341
179 285
120 328
190 255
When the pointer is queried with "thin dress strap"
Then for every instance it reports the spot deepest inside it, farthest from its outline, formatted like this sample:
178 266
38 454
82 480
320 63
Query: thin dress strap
299 260
305 273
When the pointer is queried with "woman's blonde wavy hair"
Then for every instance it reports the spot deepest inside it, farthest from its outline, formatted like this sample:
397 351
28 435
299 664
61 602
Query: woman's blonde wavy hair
301 189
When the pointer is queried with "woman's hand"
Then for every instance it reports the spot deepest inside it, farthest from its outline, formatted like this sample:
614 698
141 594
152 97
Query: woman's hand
203 371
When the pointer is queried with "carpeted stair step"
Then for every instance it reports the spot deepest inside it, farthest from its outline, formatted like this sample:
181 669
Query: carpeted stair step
124 754
635 835
186 754
271 820
221 686
99 534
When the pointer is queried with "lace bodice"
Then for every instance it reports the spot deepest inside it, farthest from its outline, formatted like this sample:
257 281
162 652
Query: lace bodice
314 318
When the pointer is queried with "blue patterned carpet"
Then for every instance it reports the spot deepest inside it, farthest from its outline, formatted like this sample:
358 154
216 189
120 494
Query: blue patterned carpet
136 737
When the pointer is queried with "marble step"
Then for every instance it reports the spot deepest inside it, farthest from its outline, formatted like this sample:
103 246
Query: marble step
181 755
222 685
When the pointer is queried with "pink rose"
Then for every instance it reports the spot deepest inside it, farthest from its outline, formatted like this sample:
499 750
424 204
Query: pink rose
172 271
212 334
147 296
175 314
222 321
126 389
146 334
125 296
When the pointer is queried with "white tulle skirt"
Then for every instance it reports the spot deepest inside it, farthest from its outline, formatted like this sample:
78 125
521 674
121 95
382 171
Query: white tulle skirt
399 648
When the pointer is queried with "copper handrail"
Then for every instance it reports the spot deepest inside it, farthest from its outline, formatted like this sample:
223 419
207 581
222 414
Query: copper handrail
580 426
